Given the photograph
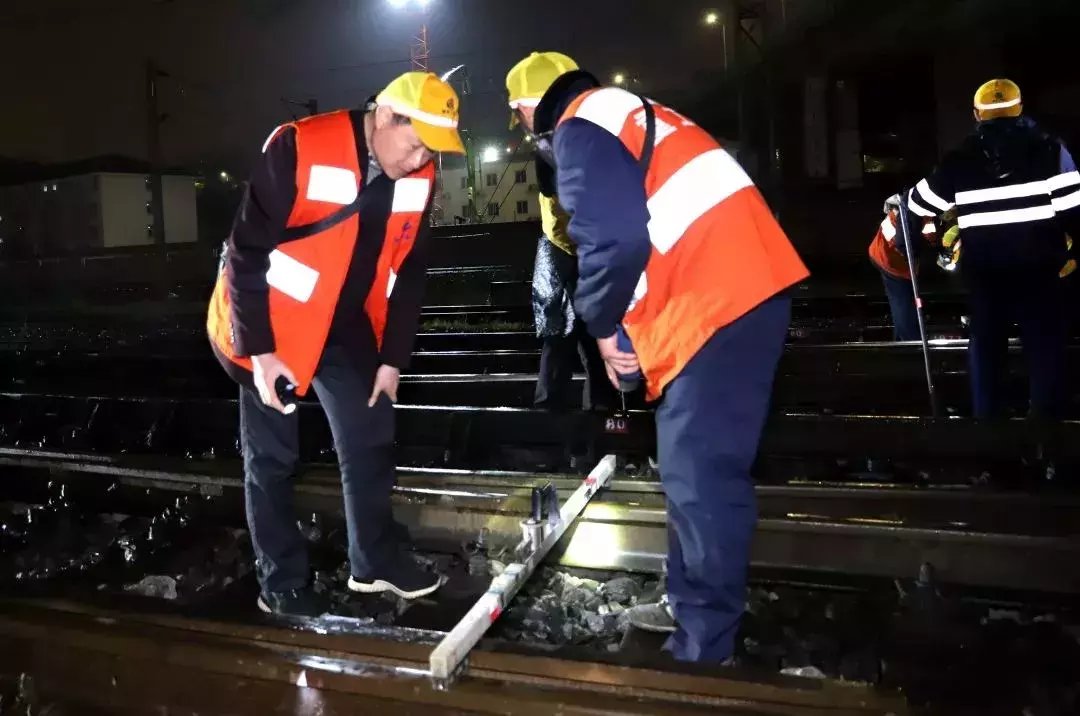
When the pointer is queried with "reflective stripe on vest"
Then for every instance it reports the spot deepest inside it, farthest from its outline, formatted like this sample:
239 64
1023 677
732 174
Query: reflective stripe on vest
717 250
306 275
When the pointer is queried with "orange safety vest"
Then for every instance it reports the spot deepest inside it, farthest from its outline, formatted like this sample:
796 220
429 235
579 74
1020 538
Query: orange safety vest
717 251
883 251
306 274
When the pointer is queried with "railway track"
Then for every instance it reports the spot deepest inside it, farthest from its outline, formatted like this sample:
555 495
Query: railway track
842 378
972 537
109 659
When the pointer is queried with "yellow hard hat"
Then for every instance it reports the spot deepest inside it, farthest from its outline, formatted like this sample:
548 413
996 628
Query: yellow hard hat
431 104
998 98
529 79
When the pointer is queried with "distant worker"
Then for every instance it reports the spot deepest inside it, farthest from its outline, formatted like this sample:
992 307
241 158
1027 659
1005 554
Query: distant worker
677 251
1016 191
889 256
565 340
321 283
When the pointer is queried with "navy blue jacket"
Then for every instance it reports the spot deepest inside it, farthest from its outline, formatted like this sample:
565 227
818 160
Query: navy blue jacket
601 186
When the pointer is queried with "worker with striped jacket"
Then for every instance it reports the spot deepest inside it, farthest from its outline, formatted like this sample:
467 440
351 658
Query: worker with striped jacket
1016 192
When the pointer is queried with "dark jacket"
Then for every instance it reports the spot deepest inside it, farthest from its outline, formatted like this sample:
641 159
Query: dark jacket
610 228
1016 192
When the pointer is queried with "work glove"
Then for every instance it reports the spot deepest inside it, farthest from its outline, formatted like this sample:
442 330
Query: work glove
949 256
1070 265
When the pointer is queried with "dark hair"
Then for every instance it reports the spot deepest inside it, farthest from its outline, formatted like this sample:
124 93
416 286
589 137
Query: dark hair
399 119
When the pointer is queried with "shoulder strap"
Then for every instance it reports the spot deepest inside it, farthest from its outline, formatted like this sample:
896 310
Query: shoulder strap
650 136
343 214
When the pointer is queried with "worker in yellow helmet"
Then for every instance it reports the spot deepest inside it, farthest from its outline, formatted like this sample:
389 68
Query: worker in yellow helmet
564 339
1016 191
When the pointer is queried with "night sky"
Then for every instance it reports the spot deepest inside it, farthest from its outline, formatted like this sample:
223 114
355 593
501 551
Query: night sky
72 71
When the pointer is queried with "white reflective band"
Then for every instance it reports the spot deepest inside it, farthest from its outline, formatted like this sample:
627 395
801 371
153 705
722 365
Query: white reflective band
294 279
1016 216
998 105
918 208
335 185
266 144
411 194
609 108
1069 201
929 229
390 283
1016 191
640 290
887 229
435 120
1061 181
525 102
699 185
925 192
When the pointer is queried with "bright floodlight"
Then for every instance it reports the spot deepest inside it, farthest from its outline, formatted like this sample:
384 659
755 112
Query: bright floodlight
397 3
491 154
423 3
712 17
619 78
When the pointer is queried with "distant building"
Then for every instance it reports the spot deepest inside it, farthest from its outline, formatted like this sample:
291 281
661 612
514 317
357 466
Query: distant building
91 211
507 191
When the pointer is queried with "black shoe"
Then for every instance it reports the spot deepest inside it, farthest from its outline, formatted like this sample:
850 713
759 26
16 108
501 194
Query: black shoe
295 602
403 577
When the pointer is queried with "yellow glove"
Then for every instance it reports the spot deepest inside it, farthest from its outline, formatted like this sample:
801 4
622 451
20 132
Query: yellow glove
950 236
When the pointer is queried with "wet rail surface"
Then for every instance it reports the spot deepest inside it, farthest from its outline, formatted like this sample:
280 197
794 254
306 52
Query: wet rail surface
971 536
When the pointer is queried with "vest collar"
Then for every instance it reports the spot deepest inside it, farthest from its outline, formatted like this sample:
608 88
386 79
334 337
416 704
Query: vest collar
562 92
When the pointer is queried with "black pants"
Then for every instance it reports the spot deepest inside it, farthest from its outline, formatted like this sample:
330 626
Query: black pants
364 441
1039 307
560 356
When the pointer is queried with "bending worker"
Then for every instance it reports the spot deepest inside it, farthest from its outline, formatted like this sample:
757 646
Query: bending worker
1016 192
321 284
675 245
888 255
563 335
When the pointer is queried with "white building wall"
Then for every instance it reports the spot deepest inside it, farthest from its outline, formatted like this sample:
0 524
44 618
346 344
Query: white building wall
516 196
181 216
125 210
93 211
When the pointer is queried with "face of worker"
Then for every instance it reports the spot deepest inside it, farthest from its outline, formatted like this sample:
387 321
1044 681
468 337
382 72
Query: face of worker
527 117
396 146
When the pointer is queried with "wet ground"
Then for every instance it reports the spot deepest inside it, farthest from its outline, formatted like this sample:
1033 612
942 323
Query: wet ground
949 651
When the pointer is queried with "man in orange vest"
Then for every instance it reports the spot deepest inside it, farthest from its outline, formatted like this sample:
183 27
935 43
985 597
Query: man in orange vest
321 286
887 254
681 259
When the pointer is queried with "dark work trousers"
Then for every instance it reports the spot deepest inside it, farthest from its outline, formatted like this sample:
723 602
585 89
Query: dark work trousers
364 441
708 425
902 304
1040 309
560 356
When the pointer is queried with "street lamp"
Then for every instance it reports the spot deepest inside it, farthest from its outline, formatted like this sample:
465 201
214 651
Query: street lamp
491 154
711 19
619 78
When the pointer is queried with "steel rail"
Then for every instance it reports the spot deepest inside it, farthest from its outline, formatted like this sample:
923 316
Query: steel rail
973 538
99 656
